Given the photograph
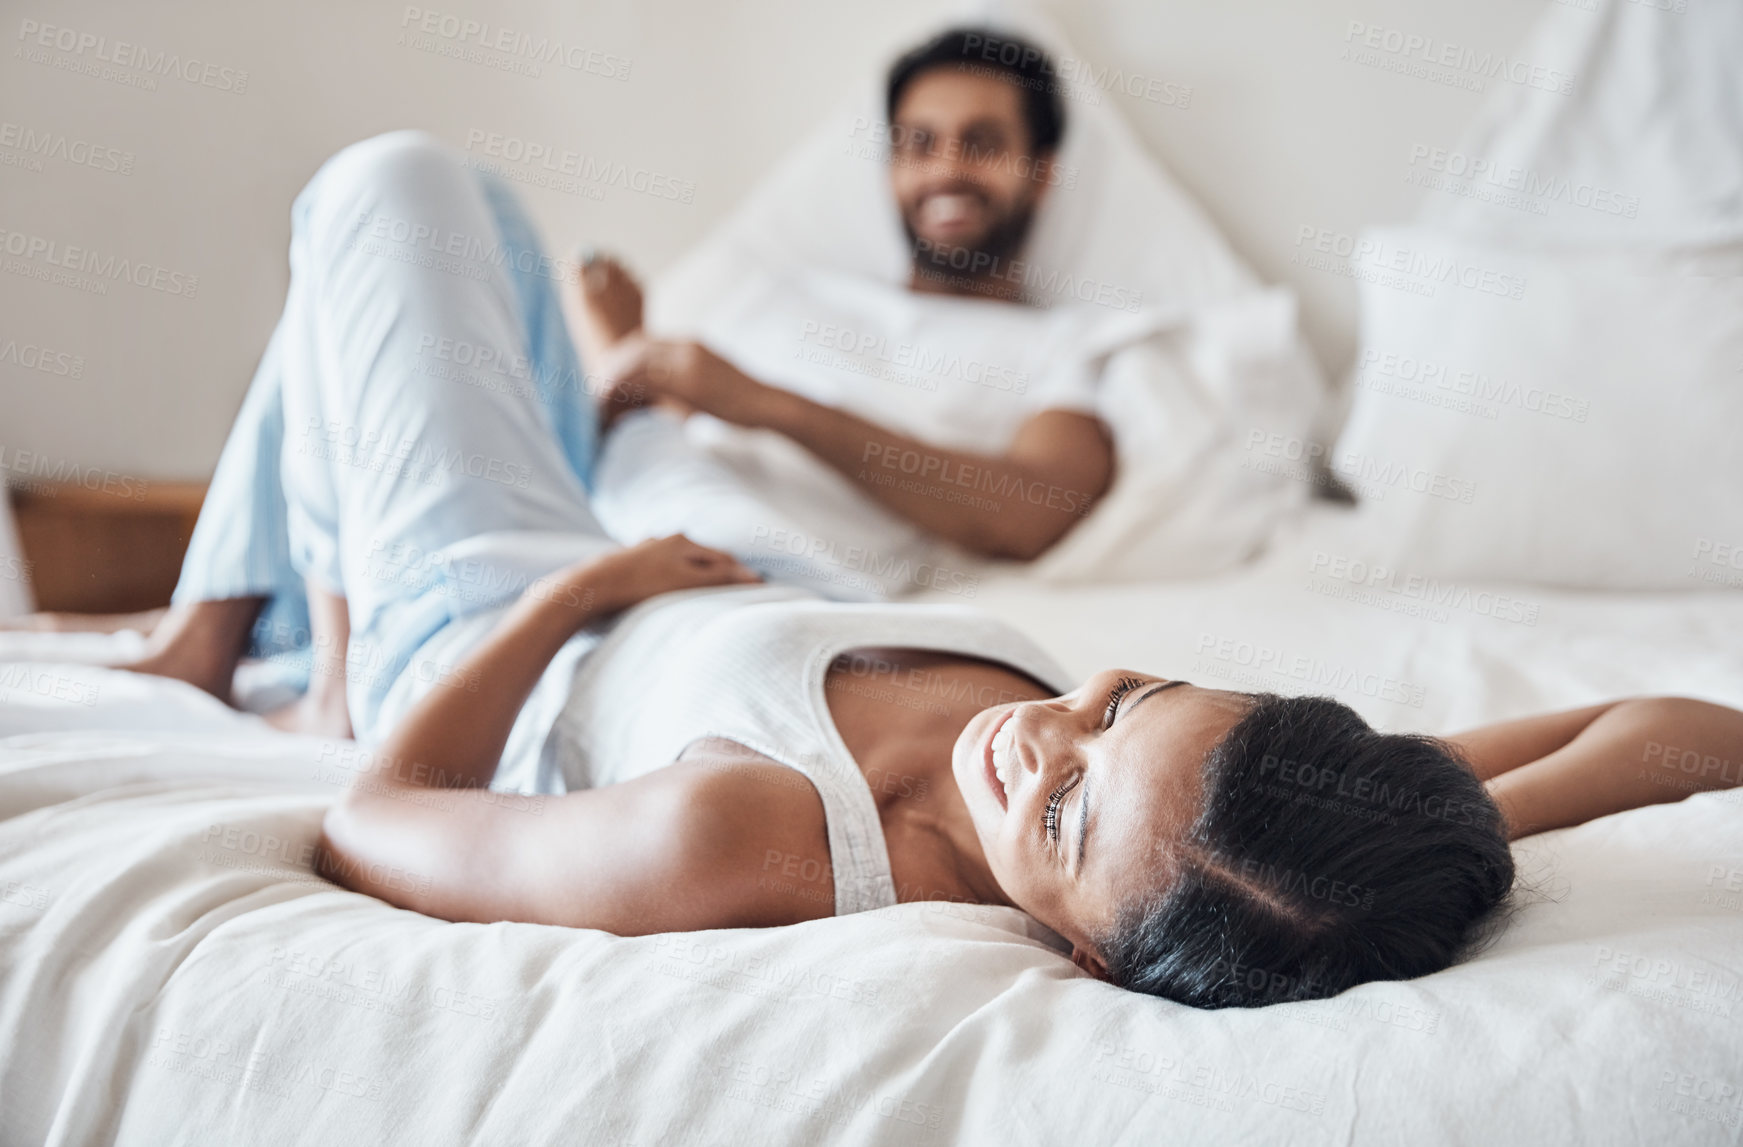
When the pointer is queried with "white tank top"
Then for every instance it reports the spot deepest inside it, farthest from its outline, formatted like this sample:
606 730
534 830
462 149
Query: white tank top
749 664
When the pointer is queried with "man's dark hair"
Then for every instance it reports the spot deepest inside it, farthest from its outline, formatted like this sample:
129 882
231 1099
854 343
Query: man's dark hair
1326 854
987 51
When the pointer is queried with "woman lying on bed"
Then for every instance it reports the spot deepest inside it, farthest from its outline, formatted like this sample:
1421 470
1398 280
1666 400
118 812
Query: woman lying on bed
1216 848
704 751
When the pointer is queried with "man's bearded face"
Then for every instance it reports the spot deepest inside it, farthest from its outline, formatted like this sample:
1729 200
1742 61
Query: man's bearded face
962 173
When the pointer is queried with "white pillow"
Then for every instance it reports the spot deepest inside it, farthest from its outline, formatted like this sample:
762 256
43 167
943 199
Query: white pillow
1190 407
1643 150
1560 417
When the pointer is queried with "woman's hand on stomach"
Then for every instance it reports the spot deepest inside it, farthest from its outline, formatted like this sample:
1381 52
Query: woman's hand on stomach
631 575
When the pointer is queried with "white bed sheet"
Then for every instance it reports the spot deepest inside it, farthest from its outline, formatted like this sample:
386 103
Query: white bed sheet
172 971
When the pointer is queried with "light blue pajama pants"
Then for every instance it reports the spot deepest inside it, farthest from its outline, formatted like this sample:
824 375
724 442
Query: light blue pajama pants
420 389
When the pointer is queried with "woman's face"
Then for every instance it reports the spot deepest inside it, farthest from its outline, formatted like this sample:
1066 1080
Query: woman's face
1070 796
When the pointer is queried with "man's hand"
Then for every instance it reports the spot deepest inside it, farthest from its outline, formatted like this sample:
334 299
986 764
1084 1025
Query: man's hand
685 375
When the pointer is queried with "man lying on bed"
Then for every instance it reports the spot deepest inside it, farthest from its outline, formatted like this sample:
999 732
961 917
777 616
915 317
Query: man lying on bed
948 408
997 450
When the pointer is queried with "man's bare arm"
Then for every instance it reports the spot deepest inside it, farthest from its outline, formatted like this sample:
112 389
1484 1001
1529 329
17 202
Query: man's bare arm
1010 505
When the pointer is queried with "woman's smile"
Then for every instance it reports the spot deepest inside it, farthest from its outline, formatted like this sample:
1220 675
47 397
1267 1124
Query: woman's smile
1000 759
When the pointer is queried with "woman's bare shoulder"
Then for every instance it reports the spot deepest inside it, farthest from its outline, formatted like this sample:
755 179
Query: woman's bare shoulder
750 834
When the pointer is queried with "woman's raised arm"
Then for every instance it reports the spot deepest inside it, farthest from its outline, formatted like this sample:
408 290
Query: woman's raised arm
419 830
1609 758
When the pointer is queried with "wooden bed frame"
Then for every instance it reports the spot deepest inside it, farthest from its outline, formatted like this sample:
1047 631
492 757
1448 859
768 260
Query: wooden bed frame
97 551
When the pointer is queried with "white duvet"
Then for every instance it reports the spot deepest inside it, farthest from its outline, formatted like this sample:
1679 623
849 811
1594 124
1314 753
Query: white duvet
172 970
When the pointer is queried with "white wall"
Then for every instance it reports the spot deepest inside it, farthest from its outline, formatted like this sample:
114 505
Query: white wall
1280 133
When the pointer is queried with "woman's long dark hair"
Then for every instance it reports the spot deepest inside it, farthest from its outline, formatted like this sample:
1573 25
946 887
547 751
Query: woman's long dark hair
1325 854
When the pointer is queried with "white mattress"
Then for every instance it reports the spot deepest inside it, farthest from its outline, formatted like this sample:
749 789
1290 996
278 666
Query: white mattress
172 971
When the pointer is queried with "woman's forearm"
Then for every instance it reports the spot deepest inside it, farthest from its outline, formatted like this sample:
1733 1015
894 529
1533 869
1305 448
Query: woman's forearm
1506 745
454 736
1634 753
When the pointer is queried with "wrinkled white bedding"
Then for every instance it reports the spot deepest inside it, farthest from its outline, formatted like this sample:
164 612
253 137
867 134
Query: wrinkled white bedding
172 971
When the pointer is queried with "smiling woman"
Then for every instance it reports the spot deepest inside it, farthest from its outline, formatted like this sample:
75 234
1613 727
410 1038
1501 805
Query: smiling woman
724 762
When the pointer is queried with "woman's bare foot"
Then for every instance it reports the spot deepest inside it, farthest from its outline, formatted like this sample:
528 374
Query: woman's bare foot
603 307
